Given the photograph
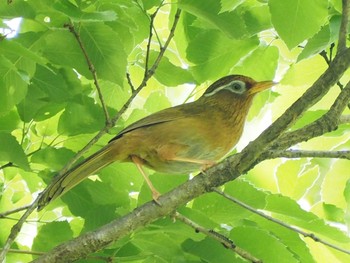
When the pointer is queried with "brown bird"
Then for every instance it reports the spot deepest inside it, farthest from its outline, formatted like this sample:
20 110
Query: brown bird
181 139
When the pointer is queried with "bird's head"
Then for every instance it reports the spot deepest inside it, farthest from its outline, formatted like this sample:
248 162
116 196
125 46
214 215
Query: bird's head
237 85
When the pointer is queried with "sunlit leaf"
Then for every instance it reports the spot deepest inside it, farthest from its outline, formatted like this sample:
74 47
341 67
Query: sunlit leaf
12 152
304 19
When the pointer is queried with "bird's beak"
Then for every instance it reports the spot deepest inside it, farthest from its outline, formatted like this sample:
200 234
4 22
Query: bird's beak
260 86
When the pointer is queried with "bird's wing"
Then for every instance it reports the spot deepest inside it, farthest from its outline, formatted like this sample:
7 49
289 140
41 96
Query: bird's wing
166 115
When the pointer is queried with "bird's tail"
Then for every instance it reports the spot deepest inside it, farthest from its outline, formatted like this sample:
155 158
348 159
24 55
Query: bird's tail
63 183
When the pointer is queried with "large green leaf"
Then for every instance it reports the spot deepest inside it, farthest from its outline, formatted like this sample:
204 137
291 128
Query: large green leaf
326 36
204 251
62 49
105 50
262 244
11 151
77 15
81 117
296 21
53 233
169 74
208 13
213 54
13 85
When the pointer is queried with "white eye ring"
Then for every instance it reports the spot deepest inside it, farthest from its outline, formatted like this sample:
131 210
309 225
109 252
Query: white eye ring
236 86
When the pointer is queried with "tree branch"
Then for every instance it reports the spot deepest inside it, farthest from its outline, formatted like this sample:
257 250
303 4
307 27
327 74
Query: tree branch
92 69
219 237
228 170
343 32
279 222
327 123
305 154
9 212
344 119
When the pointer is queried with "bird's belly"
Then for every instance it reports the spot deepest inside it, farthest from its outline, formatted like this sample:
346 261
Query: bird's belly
182 149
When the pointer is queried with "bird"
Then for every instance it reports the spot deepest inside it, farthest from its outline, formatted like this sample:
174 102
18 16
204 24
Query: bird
182 139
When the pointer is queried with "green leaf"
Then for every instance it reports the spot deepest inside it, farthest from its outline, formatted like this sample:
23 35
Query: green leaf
307 118
16 9
346 194
333 213
229 5
169 74
159 245
296 21
156 101
265 58
47 95
334 186
53 233
291 213
204 251
105 50
214 55
81 117
13 85
208 12
75 14
255 240
9 122
327 35
17 50
53 158
148 4
257 19
11 151
62 49
303 74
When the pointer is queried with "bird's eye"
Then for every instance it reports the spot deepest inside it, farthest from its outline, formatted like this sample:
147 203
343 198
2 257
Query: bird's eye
237 86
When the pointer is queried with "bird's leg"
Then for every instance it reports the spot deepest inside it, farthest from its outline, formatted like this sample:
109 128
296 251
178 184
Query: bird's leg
139 162
206 164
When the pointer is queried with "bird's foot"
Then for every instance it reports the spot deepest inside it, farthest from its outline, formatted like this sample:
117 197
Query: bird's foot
155 196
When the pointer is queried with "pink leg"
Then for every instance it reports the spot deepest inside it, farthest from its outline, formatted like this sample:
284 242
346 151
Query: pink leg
138 162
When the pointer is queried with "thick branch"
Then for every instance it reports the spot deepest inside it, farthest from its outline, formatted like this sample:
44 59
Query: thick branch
343 32
327 123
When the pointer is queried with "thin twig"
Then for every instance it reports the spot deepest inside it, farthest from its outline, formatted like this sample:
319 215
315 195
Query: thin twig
311 154
279 222
18 209
228 243
129 81
9 164
152 70
343 32
148 49
92 69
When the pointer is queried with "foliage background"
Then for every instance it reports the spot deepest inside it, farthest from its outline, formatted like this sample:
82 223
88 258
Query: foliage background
50 109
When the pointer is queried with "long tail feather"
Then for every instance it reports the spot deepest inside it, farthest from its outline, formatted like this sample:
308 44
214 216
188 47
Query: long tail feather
65 182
